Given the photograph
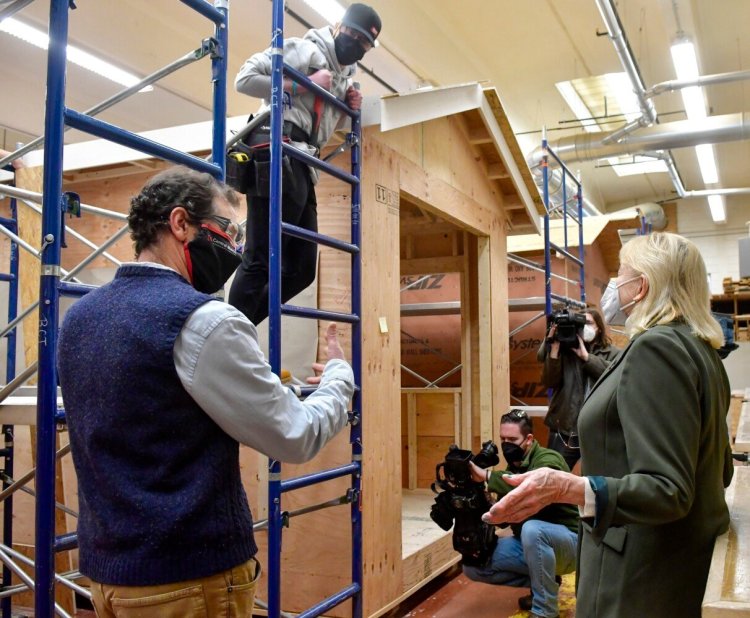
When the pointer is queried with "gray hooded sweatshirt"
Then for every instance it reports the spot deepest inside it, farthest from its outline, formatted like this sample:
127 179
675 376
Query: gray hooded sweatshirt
309 54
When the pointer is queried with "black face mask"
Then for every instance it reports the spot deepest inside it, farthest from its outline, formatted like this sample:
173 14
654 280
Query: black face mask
211 260
513 454
348 49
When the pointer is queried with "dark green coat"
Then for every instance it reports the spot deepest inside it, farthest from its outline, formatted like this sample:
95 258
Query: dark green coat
654 437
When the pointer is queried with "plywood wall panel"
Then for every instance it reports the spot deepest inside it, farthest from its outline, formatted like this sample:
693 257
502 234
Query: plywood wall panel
381 375
30 230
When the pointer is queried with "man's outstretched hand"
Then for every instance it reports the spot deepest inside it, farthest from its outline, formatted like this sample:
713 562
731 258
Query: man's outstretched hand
333 350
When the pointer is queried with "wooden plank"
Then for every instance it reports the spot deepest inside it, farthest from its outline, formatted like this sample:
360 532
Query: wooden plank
457 418
467 327
432 245
420 566
728 587
434 413
499 326
426 189
742 439
418 228
479 135
733 417
497 171
30 230
484 327
472 262
411 428
501 118
381 354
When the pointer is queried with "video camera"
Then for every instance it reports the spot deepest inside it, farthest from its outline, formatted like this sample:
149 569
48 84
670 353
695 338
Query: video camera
569 325
465 501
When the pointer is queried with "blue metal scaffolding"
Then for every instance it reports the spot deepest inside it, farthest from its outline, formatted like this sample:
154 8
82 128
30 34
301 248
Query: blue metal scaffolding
57 117
562 211
277 486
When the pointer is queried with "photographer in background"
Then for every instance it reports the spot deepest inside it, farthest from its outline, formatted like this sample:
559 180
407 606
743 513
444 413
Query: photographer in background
570 370
543 547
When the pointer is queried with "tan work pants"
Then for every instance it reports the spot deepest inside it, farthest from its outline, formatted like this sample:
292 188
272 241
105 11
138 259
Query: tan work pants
225 595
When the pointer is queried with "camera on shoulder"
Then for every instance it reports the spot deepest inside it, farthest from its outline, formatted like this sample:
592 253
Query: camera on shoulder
569 326
464 501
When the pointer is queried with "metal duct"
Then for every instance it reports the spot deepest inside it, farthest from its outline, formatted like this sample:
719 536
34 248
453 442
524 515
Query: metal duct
622 47
652 213
555 189
680 134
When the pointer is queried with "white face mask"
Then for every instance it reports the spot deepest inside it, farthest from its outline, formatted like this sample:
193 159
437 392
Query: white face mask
589 333
611 310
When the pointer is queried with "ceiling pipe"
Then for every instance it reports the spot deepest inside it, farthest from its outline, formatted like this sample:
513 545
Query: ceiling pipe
651 212
625 54
707 192
703 80
680 134
674 175
13 8
556 192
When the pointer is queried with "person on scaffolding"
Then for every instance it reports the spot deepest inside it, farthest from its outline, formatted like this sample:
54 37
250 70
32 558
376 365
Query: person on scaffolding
328 56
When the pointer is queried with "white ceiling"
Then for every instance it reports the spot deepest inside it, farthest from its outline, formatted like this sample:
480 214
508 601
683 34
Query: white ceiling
523 47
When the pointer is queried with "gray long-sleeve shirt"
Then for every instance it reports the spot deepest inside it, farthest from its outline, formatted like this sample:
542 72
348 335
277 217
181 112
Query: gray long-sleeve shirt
315 51
221 365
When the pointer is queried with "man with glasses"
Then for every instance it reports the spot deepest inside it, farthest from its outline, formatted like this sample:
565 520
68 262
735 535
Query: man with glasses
542 548
161 383
328 56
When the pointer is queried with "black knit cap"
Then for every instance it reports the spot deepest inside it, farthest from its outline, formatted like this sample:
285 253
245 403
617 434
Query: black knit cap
364 19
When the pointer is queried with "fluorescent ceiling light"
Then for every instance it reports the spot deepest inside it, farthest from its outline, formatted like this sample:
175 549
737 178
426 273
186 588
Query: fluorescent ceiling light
620 85
686 67
631 166
75 55
684 59
707 163
574 101
695 104
685 62
718 211
330 10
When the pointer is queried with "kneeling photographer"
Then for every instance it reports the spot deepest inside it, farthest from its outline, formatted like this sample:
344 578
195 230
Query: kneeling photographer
575 353
541 548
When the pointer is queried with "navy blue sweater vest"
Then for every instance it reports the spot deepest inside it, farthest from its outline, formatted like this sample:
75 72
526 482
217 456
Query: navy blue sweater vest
160 494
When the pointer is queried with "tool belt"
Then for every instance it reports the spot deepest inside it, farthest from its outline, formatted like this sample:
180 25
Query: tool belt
249 161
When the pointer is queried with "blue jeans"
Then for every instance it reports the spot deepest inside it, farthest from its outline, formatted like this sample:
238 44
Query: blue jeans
543 551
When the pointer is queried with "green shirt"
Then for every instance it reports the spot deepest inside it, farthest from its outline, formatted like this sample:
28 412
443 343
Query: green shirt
539 457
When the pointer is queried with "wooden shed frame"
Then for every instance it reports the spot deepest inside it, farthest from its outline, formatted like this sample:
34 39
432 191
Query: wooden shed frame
443 185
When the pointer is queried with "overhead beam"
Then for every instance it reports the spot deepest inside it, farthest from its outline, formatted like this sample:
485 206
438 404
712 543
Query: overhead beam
426 228
479 135
497 171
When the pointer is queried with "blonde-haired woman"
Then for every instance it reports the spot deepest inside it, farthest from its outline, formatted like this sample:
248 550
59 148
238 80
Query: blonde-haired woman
654 445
